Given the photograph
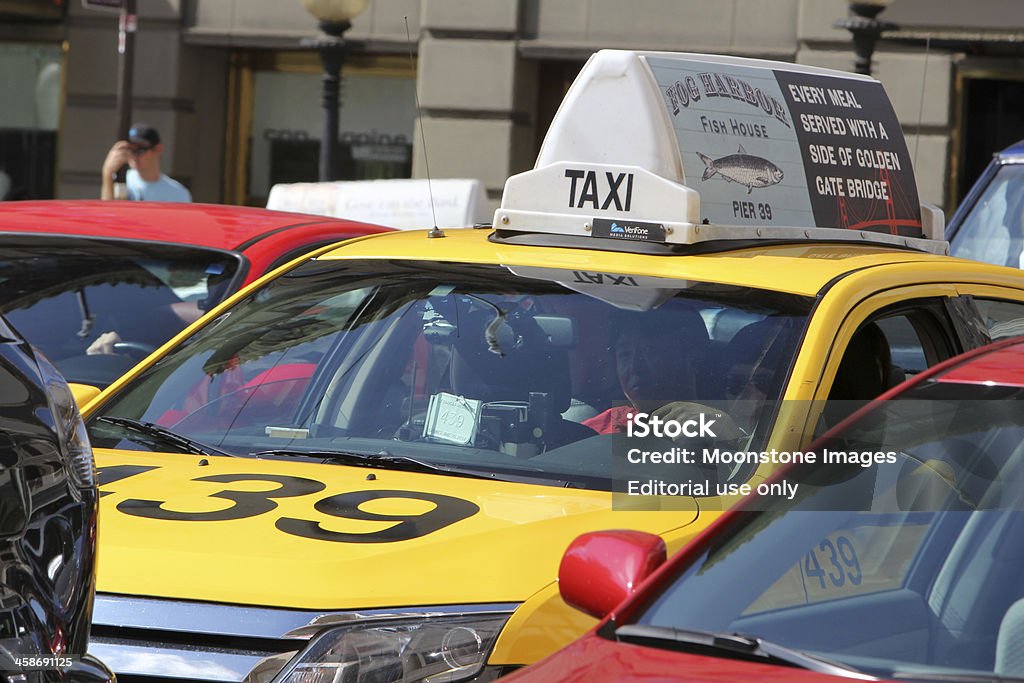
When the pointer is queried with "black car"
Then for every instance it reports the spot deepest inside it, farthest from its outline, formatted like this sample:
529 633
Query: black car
48 507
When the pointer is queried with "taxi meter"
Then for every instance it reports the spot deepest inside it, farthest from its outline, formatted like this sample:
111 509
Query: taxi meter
685 148
371 460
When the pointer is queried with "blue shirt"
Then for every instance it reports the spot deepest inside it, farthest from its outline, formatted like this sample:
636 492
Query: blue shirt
164 189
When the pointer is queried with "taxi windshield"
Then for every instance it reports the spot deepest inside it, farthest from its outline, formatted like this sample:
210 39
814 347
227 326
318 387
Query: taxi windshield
904 568
63 292
482 368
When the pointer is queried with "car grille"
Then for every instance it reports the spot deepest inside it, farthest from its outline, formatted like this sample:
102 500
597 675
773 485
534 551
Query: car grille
145 639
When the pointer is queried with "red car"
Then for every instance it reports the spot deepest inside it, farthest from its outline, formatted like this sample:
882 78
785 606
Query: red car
73 270
905 564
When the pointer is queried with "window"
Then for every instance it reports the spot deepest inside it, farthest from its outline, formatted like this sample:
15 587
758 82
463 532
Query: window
901 569
63 292
1001 318
526 372
888 348
993 231
274 141
29 120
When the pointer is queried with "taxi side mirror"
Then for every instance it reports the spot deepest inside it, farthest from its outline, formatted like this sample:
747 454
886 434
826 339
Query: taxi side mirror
83 393
602 568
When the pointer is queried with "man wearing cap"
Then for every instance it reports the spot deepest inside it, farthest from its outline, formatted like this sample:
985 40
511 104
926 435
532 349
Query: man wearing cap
145 181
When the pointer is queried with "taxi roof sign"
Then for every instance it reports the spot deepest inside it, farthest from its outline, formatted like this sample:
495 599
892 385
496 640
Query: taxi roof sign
683 148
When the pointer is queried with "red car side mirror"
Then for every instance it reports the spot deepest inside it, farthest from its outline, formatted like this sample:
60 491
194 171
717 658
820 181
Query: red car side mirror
602 568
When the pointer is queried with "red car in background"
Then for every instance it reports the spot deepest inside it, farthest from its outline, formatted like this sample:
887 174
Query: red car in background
905 565
73 270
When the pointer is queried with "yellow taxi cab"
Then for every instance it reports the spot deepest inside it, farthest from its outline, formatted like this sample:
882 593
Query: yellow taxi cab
366 466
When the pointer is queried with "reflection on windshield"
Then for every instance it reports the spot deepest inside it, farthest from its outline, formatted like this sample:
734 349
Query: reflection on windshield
993 231
63 293
910 568
467 365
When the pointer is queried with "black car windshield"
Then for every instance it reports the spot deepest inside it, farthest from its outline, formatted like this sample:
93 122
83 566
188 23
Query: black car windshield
993 231
504 370
63 292
906 568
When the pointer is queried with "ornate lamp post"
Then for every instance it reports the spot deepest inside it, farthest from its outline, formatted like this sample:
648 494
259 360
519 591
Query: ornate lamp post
866 28
335 18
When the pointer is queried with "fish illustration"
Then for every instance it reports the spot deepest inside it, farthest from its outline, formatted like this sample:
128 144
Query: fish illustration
742 168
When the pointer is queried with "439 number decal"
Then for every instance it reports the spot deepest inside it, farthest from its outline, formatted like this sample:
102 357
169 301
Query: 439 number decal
447 510
841 563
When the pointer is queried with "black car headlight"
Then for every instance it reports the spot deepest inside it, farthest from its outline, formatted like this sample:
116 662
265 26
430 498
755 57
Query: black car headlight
74 440
441 649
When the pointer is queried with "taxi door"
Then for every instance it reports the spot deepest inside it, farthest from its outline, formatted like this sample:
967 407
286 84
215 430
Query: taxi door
886 338
914 327
854 353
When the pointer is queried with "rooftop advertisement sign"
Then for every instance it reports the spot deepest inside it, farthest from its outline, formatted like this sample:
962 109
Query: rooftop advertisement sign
789 146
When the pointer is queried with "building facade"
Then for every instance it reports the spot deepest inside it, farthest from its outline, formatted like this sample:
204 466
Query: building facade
234 85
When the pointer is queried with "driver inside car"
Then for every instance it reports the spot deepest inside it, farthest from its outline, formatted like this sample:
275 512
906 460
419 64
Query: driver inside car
106 344
172 315
658 360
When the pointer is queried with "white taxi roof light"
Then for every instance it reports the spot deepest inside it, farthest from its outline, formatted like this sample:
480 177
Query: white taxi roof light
686 148
596 198
614 86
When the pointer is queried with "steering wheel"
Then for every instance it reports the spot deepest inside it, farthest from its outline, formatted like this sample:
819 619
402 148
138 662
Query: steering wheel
136 350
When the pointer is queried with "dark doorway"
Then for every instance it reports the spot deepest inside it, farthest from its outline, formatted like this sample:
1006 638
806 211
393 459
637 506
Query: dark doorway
554 78
993 120
28 159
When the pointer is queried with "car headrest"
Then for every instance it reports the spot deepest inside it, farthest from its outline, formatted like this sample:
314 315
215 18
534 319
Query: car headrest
507 360
865 369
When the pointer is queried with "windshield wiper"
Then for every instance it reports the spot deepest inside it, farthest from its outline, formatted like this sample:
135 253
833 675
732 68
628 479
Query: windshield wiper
402 462
735 644
163 435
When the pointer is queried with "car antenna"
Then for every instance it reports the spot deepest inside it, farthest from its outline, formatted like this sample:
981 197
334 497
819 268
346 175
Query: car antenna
920 104
435 231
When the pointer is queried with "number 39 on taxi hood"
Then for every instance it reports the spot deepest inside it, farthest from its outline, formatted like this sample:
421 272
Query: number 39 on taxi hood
369 464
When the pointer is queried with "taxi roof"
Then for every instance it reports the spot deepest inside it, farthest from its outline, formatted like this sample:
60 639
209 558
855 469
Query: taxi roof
208 225
803 268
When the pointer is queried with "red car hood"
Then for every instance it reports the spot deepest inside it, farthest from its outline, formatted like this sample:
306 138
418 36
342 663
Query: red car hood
594 660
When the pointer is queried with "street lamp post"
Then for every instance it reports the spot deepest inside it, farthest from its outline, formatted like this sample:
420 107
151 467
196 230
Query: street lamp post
127 26
335 18
866 28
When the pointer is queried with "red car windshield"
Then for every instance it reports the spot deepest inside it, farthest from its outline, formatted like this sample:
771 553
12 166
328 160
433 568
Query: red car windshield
910 567
62 293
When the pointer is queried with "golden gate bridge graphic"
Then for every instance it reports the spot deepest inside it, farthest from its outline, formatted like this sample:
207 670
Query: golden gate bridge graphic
897 204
